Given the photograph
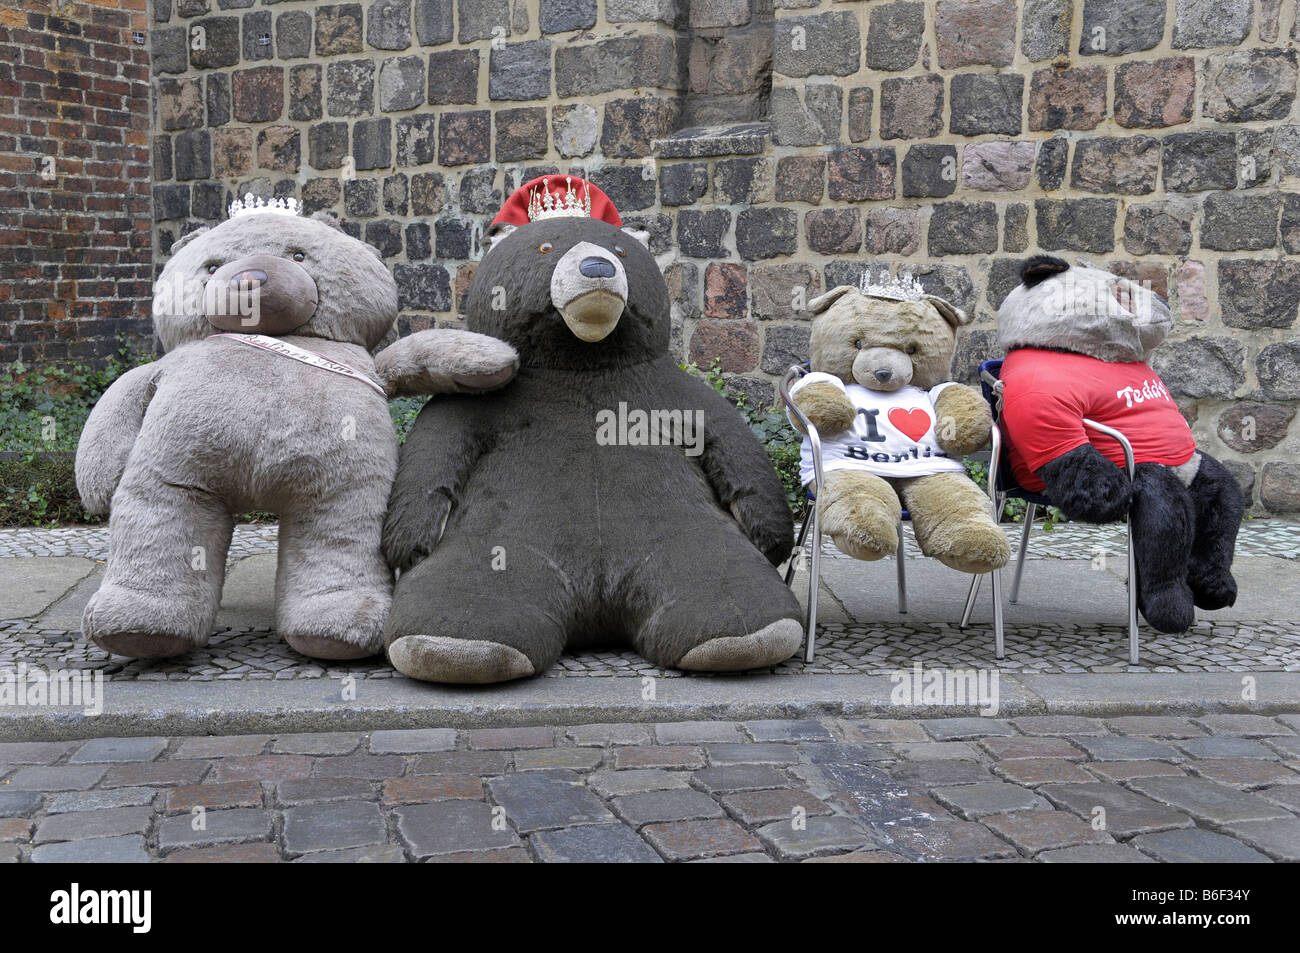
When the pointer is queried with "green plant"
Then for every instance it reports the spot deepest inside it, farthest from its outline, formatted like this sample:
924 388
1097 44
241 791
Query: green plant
404 411
1014 509
42 412
772 429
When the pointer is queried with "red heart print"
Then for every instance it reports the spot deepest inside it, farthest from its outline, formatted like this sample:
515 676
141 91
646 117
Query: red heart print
911 423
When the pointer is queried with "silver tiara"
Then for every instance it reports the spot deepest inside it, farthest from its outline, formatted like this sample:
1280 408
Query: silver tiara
252 203
905 287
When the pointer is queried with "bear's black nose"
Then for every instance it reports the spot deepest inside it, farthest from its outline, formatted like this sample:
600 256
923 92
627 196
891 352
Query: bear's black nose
594 267
253 276
883 376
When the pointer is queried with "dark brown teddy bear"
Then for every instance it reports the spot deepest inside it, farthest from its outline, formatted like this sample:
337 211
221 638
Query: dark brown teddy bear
528 522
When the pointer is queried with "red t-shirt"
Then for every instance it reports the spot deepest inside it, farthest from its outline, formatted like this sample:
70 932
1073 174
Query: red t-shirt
1046 395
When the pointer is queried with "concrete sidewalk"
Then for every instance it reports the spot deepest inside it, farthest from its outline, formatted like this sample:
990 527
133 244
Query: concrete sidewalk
1066 649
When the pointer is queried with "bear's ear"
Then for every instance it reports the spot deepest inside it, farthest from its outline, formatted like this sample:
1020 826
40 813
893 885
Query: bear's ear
639 234
327 218
1041 267
954 315
186 239
495 233
822 302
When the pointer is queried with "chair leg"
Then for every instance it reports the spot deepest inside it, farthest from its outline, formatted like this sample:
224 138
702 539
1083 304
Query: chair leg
1024 548
902 572
998 641
814 582
1132 600
798 549
971 594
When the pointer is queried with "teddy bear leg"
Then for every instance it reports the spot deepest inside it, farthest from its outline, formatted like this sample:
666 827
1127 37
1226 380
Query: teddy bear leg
711 602
166 566
1164 520
860 513
469 615
332 586
1219 507
953 522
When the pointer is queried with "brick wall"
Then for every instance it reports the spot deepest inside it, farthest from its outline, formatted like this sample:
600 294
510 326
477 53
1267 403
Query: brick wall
777 149
76 246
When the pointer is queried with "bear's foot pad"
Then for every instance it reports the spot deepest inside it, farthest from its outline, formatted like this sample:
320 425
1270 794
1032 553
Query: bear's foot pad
770 645
1215 589
331 650
437 658
861 548
143 644
1169 609
978 546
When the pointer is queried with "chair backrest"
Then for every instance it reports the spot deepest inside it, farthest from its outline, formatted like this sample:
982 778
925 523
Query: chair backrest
990 372
991 385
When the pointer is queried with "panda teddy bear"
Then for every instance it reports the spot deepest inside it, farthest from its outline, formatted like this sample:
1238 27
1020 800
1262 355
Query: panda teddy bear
1077 342
523 524
267 398
894 427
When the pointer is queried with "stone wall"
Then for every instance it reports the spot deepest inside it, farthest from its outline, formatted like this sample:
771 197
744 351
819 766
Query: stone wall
76 245
775 150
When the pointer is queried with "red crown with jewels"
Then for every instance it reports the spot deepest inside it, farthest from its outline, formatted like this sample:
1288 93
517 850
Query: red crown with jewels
538 199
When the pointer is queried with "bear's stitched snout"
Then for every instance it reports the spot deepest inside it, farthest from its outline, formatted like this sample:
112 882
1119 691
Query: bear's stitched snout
260 294
882 368
589 289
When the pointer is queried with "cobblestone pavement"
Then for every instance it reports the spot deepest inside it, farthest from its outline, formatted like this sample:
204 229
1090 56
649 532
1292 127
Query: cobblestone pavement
1048 788
841 649
1257 538
844 647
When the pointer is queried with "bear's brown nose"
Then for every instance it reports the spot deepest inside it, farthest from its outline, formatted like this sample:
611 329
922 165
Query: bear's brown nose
260 294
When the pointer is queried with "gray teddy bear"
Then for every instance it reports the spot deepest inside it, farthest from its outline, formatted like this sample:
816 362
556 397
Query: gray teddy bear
267 398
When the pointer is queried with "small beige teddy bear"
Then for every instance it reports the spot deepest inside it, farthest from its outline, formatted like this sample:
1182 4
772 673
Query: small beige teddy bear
894 428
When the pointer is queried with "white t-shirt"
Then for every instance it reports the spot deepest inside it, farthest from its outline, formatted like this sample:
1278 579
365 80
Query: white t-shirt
892 436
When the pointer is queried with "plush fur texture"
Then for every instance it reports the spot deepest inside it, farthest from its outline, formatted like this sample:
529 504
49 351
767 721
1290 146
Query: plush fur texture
1086 486
1164 519
964 420
1185 519
215 428
848 322
860 513
883 345
1084 310
519 534
826 408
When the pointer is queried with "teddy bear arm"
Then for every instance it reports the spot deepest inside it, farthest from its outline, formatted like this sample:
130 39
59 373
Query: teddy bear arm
109 435
440 453
1086 486
826 407
445 361
742 476
963 420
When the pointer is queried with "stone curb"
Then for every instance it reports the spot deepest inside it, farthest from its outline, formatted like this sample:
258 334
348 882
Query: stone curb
163 708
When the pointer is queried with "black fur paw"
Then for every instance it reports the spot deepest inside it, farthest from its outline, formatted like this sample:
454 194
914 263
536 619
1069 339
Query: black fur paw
1087 487
1212 587
1169 609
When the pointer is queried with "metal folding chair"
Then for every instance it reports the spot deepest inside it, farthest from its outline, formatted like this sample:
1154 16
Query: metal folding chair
1003 486
814 520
